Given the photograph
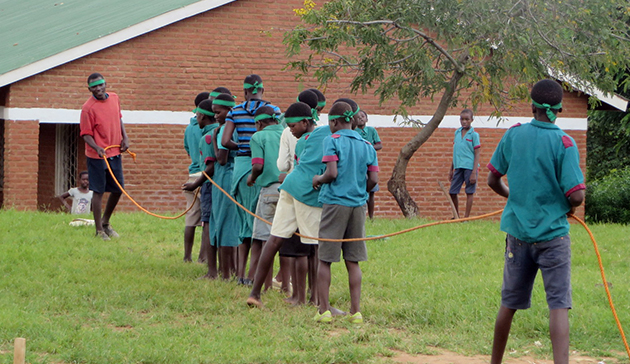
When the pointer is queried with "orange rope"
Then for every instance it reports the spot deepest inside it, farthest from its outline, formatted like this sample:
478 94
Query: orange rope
599 259
133 155
601 269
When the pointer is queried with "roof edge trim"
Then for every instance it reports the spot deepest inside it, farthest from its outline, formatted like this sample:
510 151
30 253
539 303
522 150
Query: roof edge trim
107 41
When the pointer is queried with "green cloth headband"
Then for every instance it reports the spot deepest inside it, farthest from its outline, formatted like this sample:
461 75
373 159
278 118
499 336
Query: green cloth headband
256 86
296 119
550 114
356 112
321 104
223 103
203 111
96 83
313 111
265 116
217 93
347 115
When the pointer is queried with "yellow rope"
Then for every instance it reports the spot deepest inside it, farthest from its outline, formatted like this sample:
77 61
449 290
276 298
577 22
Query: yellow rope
599 259
133 155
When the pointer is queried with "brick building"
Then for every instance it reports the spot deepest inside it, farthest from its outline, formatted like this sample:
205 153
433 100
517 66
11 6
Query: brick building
157 59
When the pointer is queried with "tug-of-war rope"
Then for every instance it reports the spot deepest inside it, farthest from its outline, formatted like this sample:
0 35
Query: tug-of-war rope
599 258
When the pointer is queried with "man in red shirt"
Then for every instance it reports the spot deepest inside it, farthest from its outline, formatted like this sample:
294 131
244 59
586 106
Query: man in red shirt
102 126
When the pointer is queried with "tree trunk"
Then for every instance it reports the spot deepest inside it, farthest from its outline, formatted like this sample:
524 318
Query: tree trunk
397 185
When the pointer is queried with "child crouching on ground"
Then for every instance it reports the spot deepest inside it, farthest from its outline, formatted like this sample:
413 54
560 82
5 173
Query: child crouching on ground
351 171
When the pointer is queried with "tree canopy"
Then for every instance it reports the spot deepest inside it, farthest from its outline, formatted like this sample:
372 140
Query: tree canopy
495 49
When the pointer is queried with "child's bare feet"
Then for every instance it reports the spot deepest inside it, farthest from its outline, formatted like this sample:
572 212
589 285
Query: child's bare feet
254 302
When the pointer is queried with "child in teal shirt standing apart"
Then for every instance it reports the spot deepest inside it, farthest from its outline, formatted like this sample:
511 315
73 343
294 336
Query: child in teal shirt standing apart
351 171
466 147
545 184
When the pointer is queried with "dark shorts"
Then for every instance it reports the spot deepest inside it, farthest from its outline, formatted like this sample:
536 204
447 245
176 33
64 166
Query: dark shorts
461 175
206 201
293 247
342 222
522 261
101 180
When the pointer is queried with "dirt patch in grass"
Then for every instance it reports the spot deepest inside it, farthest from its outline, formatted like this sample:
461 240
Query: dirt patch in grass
447 357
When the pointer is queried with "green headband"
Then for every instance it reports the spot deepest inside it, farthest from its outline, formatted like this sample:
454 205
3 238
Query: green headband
313 111
96 83
223 103
256 86
217 93
265 116
296 119
321 103
550 114
203 111
347 115
356 112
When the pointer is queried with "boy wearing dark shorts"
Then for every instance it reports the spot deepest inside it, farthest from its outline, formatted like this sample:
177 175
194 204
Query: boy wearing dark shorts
351 171
545 184
465 161
102 126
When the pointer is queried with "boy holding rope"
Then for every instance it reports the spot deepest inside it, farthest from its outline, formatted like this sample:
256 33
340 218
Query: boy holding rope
102 126
351 171
545 184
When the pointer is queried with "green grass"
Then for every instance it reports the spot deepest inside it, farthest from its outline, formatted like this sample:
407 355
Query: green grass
77 299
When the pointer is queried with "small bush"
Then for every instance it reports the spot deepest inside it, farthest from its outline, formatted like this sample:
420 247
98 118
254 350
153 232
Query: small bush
608 198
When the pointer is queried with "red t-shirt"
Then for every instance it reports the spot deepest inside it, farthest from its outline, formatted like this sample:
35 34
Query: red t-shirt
101 119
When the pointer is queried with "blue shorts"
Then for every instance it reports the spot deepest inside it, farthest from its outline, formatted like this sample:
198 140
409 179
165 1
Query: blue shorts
205 201
522 261
101 180
461 175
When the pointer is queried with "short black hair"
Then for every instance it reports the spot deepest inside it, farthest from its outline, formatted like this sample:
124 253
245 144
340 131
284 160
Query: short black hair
547 91
320 95
82 173
265 110
206 105
253 78
223 90
339 107
94 76
348 101
469 112
308 97
200 97
299 109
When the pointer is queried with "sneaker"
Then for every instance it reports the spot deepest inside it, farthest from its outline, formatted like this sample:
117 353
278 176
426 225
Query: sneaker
357 318
324 318
110 232
101 234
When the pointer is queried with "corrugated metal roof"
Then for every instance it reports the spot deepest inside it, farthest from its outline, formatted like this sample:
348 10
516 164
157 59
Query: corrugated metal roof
33 30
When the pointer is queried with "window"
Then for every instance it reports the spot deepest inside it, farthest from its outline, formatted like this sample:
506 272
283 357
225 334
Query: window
66 157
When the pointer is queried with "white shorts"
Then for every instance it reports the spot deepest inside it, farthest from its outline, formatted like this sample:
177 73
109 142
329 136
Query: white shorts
291 215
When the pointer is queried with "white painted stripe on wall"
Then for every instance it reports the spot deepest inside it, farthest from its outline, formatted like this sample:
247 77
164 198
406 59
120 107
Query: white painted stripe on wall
183 118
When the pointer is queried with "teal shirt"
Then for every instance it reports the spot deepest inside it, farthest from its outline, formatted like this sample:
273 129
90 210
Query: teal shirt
299 183
355 157
264 146
205 147
192 134
464 149
370 134
542 164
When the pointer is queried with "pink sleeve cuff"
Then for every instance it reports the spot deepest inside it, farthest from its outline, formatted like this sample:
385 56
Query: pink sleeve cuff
581 186
494 170
477 147
209 159
330 158
258 161
373 169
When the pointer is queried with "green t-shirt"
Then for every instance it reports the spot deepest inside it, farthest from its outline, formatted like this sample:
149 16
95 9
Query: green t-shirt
370 134
205 146
264 146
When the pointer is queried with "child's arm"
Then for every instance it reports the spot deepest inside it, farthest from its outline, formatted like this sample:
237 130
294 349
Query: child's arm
124 143
191 186
63 198
496 183
257 148
372 180
475 171
257 170
228 130
329 175
89 140
575 199
450 173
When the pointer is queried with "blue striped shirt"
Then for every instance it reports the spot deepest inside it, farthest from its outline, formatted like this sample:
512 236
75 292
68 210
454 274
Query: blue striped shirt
242 116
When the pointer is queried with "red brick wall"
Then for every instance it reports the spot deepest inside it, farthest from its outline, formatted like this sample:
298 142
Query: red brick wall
165 69
20 164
